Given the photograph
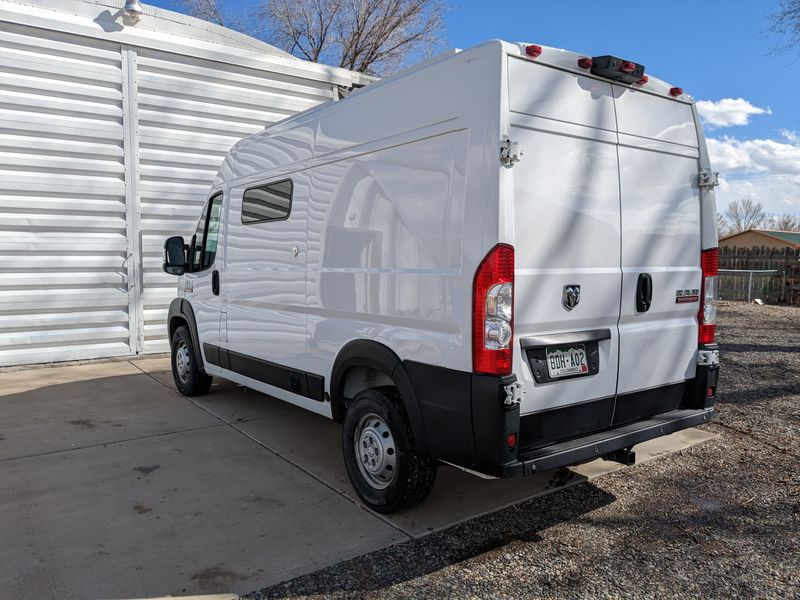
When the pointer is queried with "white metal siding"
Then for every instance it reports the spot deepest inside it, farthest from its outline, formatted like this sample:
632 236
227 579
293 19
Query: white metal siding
109 139
190 113
63 283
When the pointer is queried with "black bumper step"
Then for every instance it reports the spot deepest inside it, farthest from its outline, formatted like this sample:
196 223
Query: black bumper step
596 445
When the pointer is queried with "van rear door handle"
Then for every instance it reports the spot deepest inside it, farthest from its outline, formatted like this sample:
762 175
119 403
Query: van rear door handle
644 292
215 282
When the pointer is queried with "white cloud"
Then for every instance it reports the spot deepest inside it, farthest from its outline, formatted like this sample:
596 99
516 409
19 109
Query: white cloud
792 136
765 170
759 155
779 194
728 112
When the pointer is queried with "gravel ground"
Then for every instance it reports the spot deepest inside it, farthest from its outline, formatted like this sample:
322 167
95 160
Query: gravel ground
721 519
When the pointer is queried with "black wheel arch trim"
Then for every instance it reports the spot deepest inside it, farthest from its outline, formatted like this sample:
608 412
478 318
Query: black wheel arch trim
180 309
374 355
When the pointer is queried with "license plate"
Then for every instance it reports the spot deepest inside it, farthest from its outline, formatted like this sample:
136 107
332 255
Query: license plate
567 361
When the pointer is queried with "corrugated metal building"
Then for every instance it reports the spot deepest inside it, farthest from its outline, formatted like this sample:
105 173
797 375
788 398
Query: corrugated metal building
110 133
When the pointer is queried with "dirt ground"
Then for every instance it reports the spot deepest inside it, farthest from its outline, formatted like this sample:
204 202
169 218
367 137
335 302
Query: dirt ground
717 520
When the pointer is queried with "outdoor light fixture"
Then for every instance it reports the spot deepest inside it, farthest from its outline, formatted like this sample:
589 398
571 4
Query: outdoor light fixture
133 10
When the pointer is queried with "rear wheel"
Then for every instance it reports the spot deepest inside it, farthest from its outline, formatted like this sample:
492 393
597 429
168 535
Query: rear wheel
387 471
190 379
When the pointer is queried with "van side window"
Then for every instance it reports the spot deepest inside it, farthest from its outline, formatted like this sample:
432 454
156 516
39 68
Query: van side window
205 238
210 247
269 202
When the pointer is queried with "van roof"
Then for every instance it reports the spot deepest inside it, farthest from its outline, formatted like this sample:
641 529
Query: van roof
555 57
566 60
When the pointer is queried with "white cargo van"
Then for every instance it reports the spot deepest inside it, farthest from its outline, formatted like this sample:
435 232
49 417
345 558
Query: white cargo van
504 260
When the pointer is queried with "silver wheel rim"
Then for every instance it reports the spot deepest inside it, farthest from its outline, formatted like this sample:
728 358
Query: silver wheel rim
182 365
375 451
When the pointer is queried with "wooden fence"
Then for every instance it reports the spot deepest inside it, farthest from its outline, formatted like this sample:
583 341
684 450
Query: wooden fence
780 287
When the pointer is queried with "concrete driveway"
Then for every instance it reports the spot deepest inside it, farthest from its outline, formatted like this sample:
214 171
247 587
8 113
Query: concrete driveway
115 486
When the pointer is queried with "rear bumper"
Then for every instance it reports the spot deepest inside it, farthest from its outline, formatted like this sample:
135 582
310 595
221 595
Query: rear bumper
593 446
464 421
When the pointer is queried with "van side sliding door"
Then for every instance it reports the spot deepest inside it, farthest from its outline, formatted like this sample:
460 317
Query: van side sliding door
265 274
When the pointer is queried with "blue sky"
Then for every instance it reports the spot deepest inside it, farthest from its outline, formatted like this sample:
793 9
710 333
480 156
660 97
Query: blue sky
717 51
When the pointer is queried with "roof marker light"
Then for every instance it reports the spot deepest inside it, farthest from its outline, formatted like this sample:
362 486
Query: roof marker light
675 92
533 50
585 63
627 67
643 80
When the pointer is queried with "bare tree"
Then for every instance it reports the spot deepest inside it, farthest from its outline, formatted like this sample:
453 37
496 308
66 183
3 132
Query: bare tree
786 23
723 227
242 17
208 10
370 36
377 35
745 214
783 222
305 29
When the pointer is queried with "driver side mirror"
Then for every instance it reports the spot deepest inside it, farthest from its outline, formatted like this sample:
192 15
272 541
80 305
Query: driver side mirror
174 256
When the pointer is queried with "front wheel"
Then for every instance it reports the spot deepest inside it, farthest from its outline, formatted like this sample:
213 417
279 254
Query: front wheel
387 471
190 379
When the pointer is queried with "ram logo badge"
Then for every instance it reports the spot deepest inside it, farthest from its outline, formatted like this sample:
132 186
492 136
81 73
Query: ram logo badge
572 296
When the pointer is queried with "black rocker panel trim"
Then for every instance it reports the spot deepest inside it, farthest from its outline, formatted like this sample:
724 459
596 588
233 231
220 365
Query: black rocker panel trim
212 354
289 379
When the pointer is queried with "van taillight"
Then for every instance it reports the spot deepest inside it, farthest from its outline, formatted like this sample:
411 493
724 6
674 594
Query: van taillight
707 317
493 312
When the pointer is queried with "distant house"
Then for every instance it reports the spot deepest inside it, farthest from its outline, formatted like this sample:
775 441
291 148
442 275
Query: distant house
762 237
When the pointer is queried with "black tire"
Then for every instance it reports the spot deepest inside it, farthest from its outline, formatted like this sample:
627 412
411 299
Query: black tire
414 472
189 378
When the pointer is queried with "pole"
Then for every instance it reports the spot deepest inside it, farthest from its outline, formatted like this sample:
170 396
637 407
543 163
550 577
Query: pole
783 286
749 287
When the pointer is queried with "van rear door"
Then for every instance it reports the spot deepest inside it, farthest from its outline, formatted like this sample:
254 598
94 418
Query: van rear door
658 164
606 226
566 219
